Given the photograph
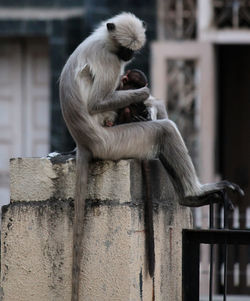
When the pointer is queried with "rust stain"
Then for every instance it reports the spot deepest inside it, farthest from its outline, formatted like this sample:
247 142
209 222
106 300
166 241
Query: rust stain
139 231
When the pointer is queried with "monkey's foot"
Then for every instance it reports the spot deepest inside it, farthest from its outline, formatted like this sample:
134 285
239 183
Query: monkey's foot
213 193
223 186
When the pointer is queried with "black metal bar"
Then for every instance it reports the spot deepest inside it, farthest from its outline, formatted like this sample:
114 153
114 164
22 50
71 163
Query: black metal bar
218 236
225 272
211 216
211 271
190 269
191 252
226 204
226 226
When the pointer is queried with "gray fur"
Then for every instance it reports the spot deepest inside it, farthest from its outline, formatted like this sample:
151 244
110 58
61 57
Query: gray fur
87 88
156 108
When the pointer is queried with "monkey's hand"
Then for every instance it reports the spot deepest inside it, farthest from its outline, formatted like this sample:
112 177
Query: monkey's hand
109 123
214 193
143 94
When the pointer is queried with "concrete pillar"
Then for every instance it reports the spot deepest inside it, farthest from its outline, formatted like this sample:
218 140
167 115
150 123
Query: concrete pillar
36 233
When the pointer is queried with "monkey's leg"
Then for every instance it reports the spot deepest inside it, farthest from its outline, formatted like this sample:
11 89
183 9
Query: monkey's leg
147 139
176 160
130 140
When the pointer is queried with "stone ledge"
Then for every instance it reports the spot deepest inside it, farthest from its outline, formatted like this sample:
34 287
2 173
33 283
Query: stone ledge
39 179
36 234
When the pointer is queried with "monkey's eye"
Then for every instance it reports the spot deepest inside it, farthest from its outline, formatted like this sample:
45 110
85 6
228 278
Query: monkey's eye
144 24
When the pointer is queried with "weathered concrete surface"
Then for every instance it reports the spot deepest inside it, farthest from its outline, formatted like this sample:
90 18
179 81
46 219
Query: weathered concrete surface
37 234
36 251
33 179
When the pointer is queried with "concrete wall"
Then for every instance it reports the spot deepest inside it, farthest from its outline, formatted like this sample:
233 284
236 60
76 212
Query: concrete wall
37 233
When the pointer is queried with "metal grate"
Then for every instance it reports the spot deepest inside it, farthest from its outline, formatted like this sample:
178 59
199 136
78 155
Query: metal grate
192 239
231 13
238 257
177 19
182 101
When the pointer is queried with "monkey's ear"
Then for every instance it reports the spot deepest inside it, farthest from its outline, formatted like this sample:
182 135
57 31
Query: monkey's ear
110 26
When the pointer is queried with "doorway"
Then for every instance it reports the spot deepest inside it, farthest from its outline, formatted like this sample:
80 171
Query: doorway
233 63
24 103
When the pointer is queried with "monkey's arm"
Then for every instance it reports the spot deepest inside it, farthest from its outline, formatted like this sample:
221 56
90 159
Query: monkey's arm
118 100
103 96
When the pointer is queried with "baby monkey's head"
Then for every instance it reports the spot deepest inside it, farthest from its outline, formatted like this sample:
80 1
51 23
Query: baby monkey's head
133 79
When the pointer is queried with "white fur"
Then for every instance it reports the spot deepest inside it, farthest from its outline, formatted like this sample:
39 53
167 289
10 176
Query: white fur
156 108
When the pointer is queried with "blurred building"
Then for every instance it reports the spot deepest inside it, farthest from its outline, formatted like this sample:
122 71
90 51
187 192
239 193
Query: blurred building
198 59
200 66
36 37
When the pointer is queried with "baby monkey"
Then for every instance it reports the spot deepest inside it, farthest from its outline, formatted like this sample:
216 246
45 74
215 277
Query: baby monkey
150 109
133 79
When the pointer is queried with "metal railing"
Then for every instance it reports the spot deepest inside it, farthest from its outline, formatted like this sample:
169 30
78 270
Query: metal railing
192 239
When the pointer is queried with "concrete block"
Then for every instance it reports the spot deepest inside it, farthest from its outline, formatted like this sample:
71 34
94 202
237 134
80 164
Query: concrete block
36 251
40 179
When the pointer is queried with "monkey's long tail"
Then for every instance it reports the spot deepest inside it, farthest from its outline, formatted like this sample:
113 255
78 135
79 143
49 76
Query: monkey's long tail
82 166
148 219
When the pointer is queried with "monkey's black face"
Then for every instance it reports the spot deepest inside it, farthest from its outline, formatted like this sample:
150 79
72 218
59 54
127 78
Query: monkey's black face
124 53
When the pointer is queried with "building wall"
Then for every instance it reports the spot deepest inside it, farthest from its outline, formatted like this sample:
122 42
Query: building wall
65 24
36 38
206 24
41 3
61 23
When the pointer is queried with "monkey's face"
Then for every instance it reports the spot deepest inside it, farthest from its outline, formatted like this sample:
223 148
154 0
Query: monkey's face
127 33
124 53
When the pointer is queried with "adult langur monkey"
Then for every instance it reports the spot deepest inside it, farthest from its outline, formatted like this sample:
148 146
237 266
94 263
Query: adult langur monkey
87 88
